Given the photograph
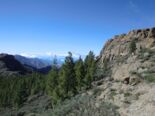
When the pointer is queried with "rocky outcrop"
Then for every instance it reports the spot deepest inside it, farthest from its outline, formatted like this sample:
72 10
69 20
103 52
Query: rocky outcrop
120 60
119 45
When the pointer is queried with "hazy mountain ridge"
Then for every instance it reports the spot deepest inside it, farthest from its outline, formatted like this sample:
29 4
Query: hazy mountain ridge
44 59
10 66
18 65
33 62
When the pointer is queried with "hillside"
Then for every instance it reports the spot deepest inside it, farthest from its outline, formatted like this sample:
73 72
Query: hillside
10 66
18 65
123 83
128 61
34 64
125 78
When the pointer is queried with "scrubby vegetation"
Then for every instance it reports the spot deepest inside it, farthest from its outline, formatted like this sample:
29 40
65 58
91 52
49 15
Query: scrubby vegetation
104 71
149 77
85 106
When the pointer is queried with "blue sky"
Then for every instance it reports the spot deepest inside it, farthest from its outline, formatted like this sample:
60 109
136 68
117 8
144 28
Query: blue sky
59 26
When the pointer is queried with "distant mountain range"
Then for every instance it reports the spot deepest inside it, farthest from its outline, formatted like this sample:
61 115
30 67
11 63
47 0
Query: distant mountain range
10 66
40 62
33 62
18 64
48 57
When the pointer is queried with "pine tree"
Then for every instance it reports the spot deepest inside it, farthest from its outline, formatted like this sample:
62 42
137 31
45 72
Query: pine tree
79 72
67 75
52 80
90 67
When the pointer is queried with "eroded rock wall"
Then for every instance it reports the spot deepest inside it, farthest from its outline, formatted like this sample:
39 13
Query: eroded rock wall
117 51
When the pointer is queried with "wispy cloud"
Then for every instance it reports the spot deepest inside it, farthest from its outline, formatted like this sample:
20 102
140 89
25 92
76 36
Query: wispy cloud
142 15
77 55
134 7
50 54
28 55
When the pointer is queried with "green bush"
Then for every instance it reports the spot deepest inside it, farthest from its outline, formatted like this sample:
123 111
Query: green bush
150 78
105 71
127 94
97 91
132 46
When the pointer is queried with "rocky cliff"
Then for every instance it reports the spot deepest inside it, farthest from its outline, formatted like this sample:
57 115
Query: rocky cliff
127 63
121 61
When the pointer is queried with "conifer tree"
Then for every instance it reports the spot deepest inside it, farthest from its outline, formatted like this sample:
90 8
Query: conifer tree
52 81
90 67
67 75
79 73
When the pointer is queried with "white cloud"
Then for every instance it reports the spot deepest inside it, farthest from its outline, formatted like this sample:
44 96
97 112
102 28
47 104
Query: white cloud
54 54
28 55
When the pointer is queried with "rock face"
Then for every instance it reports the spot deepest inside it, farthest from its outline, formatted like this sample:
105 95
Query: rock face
10 66
120 60
119 45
